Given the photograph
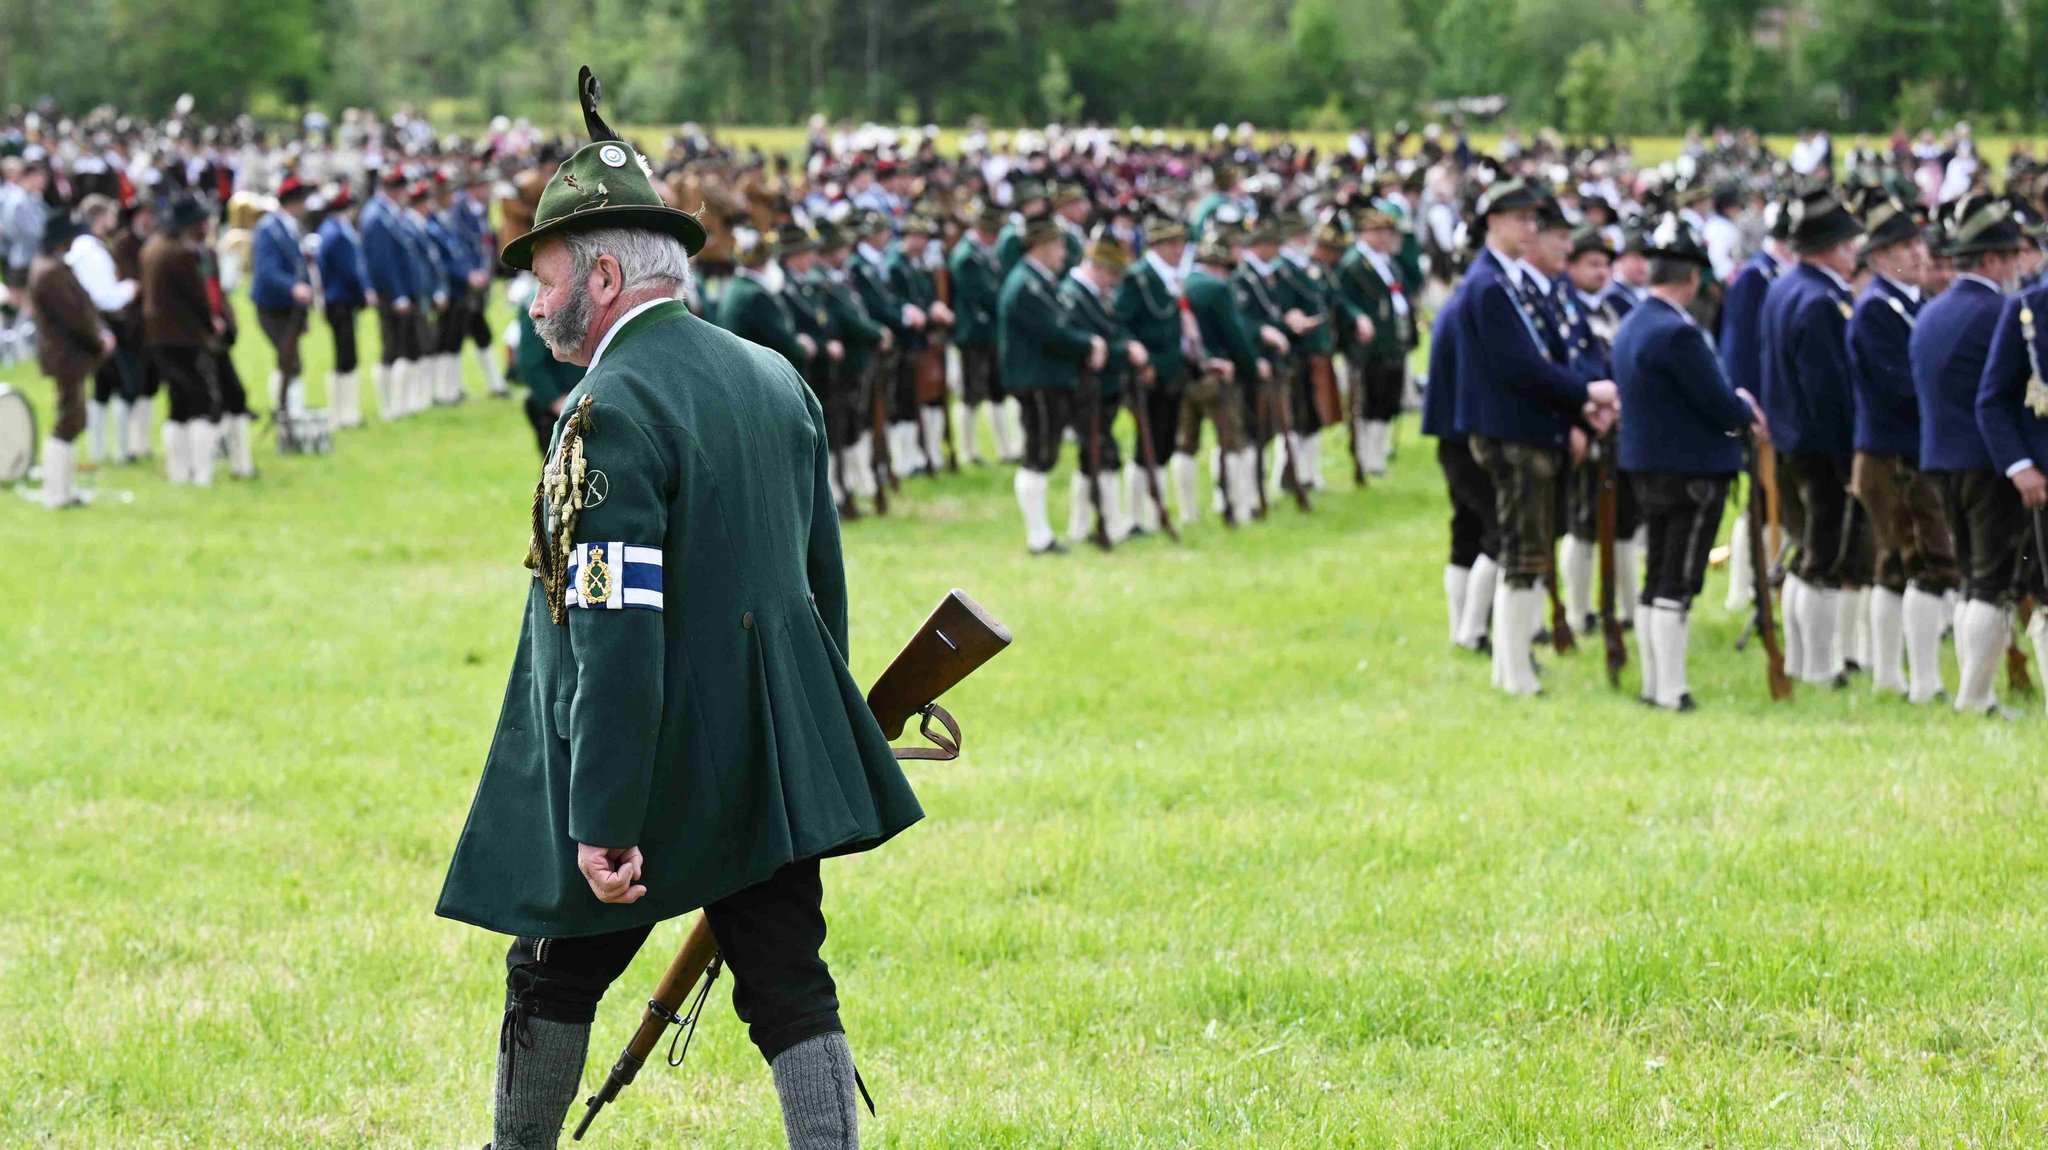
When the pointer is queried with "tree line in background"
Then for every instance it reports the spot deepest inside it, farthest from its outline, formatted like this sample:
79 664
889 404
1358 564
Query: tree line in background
1627 66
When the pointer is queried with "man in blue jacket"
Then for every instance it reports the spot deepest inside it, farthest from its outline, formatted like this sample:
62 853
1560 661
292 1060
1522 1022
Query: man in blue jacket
1915 555
1741 318
1679 447
1517 404
460 265
2005 509
345 289
1804 374
430 282
1472 571
389 265
281 286
1950 348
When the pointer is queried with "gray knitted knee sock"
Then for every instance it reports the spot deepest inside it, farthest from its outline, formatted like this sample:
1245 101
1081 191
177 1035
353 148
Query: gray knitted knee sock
537 1082
814 1079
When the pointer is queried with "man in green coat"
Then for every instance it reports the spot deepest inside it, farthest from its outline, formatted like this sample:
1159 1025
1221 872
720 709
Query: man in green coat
868 269
867 339
753 308
1257 287
1089 292
977 276
1306 289
1231 354
1043 354
922 419
1027 199
1378 329
1148 303
658 755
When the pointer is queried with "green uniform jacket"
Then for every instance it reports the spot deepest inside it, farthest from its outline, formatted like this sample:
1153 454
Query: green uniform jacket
912 284
1361 292
752 312
1306 287
718 730
1223 329
807 310
1258 300
851 324
1152 315
1041 346
871 284
545 378
1091 313
977 285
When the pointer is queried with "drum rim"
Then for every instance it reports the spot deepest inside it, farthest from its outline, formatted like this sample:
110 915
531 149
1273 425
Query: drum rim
34 432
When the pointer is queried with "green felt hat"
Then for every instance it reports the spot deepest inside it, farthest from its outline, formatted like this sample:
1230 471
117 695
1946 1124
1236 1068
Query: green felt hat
605 184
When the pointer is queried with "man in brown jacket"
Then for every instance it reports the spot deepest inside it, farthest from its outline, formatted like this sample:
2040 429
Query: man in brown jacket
71 341
179 329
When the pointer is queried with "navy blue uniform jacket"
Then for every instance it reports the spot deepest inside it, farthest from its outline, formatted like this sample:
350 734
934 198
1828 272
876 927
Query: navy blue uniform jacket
1880 372
1678 411
1508 387
1805 375
1949 346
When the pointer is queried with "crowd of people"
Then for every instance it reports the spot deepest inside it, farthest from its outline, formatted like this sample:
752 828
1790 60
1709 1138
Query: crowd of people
1234 289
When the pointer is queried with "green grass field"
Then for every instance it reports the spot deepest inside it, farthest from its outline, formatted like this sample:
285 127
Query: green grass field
1239 854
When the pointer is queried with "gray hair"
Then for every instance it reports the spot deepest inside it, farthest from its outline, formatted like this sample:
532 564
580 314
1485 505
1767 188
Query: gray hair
646 258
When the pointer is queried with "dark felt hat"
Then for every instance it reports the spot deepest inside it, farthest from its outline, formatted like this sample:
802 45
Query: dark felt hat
1818 221
1165 231
1507 196
1984 224
1588 239
1107 250
187 212
1888 222
792 240
606 184
1674 239
1041 230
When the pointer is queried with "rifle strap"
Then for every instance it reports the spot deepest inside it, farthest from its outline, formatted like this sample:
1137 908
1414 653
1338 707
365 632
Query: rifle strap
945 745
686 1026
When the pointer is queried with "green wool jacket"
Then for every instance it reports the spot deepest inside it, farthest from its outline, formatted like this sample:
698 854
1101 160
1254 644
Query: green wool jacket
871 284
1091 313
1306 287
851 324
701 708
1152 315
752 312
545 378
977 284
1040 344
1258 300
1361 292
912 284
1224 332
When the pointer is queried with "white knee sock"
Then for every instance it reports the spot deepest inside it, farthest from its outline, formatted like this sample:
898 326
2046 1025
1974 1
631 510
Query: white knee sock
1923 617
59 461
1479 601
1577 569
1646 643
205 440
95 431
1186 487
1080 510
117 431
1520 609
1674 634
1627 580
1822 608
177 452
1115 521
2037 631
140 413
1981 641
1852 617
1243 475
1031 487
1793 622
1455 580
1887 641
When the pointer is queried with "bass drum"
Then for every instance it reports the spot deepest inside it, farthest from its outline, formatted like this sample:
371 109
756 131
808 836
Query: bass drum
17 435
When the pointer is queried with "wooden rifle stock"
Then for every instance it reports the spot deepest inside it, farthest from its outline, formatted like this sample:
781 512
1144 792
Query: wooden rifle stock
1610 619
958 638
1561 639
1763 507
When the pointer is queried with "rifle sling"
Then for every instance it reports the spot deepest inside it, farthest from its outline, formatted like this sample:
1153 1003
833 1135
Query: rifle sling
945 745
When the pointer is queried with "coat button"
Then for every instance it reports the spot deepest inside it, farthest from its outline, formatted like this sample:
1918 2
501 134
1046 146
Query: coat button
747 621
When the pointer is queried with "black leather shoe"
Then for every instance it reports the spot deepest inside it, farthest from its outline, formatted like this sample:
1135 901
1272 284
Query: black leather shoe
1052 548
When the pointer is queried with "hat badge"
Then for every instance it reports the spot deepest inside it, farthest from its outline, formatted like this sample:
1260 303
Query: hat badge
612 156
